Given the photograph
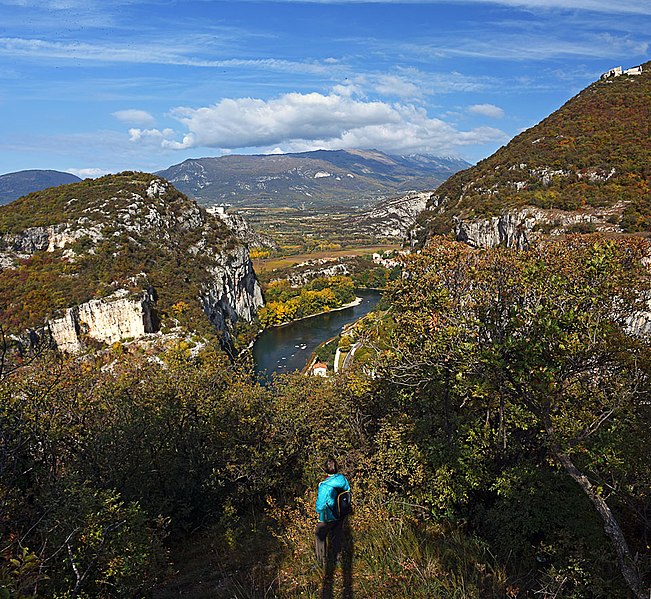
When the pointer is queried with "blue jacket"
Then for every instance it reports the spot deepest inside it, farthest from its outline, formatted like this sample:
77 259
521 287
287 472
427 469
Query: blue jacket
326 500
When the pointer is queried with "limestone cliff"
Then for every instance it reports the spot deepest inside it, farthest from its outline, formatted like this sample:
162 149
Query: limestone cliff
390 218
107 320
233 291
520 227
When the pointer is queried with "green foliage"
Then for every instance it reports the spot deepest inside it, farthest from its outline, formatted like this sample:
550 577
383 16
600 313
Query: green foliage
101 463
285 303
493 365
505 362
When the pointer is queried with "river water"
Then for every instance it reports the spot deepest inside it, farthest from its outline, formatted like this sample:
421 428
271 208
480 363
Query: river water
289 347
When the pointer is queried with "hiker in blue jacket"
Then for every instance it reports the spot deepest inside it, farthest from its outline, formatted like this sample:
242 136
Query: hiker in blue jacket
330 523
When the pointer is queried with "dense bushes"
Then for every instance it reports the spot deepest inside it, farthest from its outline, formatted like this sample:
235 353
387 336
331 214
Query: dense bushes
515 383
502 375
101 461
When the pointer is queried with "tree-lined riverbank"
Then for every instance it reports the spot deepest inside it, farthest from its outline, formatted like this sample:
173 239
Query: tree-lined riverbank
287 348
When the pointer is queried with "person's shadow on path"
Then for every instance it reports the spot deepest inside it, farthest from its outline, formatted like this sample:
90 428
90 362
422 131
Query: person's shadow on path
346 560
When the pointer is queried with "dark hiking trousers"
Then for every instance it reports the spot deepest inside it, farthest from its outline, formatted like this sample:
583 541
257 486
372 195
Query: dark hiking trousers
334 530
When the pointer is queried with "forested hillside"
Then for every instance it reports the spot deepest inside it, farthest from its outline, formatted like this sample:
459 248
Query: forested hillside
127 234
16 185
592 153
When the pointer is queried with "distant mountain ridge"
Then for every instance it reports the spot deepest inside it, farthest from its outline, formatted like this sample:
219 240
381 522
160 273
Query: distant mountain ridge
20 183
585 167
316 178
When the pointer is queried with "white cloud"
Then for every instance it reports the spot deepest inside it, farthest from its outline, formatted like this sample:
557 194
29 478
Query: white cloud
348 89
392 85
603 6
83 173
133 116
297 121
489 110
150 135
148 53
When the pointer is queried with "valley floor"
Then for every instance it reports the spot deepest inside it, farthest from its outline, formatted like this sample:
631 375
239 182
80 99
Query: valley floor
265 265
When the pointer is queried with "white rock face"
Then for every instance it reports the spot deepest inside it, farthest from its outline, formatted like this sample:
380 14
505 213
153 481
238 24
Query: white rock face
519 228
304 276
234 291
391 218
108 320
510 229
38 239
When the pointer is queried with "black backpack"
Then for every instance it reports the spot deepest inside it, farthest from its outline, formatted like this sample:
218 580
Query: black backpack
344 504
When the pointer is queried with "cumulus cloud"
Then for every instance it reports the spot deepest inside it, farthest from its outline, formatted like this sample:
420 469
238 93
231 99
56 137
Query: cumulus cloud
84 173
489 110
133 116
296 121
150 135
392 85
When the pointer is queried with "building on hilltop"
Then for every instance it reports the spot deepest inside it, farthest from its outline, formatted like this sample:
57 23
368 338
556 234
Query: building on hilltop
634 70
617 71
218 210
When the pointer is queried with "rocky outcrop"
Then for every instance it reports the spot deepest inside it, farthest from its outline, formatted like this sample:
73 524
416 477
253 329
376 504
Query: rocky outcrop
118 234
18 246
519 228
313 269
241 228
390 218
233 292
114 318
511 230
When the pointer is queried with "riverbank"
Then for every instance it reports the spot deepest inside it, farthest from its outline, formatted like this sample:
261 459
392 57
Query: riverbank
288 348
356 302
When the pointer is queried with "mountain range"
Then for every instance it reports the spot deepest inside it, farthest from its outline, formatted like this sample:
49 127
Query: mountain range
15 185
586 167
316 178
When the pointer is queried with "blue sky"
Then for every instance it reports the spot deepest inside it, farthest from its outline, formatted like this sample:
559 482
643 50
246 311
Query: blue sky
96 86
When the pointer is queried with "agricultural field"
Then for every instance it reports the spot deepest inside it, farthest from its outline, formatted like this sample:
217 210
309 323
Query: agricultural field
299 232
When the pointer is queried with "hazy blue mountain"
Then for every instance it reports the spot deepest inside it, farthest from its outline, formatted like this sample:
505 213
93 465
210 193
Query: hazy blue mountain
16 185
315 178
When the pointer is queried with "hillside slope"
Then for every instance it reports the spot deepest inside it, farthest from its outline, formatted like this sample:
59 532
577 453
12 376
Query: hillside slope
18 184
118 257
587 166
392 218
315 178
